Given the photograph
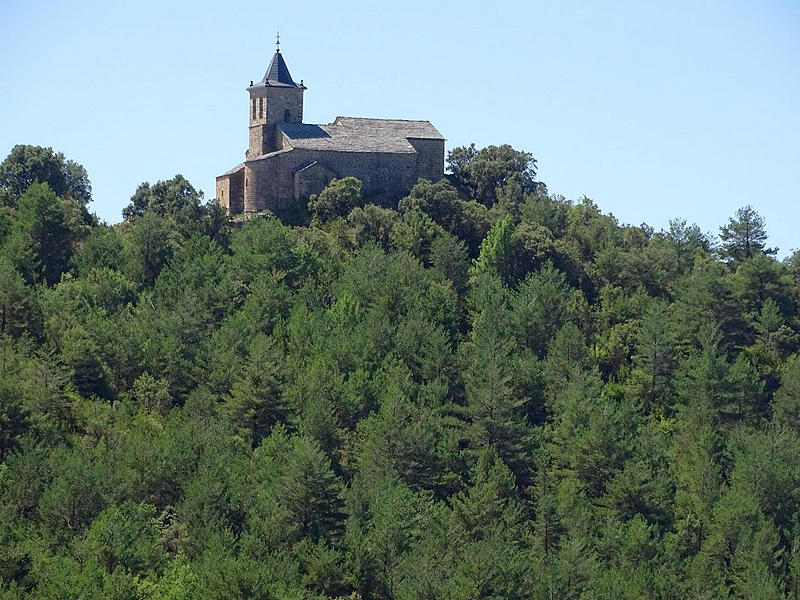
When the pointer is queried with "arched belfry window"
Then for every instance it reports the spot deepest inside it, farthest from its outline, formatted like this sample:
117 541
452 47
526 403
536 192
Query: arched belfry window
254 109
260 108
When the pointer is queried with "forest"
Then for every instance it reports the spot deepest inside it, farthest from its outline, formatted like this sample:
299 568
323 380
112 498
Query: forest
485 390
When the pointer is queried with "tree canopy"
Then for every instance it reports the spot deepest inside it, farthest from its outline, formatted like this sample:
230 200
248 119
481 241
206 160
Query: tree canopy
336 200
744 235
170 197
483 173
27 164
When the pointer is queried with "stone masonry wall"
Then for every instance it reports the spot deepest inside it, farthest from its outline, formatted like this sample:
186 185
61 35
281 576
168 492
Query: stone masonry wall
277 101
260 177
392 174
224 192
230 191
236 202
430 158
270 182
311 180
258 135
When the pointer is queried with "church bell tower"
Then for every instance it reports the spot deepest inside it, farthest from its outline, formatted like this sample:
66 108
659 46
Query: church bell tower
273 100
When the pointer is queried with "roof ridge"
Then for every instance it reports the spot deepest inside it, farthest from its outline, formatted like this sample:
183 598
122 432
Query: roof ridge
381 119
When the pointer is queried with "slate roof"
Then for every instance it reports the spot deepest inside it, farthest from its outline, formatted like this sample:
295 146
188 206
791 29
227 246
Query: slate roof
231 171
350 134
277 74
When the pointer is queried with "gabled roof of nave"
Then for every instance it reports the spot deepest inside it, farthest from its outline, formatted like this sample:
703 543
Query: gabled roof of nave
351 134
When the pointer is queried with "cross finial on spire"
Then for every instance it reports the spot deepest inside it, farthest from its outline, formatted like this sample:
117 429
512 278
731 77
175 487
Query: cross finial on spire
278 41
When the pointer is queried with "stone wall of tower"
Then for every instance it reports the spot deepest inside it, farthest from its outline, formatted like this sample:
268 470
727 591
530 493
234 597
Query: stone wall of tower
259 134
268 106
284 105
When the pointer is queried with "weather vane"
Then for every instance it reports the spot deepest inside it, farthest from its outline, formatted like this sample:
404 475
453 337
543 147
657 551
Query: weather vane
278 41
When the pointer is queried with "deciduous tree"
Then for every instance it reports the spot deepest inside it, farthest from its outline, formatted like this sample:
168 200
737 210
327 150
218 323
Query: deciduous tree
481 172
28 164
336 200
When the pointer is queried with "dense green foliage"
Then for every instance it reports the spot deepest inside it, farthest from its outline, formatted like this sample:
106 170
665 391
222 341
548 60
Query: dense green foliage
490 392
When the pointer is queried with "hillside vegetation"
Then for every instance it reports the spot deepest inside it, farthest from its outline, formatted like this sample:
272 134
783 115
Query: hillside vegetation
488 392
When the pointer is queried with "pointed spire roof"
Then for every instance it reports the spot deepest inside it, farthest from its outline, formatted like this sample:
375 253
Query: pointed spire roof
277 74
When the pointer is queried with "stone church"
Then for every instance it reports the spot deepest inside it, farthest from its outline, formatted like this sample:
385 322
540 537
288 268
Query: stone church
289 160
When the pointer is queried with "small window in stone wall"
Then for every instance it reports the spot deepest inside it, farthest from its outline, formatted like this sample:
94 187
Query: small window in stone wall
260 108
286 115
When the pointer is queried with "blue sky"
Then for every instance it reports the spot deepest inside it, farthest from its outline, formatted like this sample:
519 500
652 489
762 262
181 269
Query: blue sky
654 110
